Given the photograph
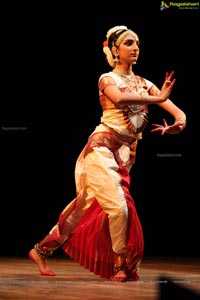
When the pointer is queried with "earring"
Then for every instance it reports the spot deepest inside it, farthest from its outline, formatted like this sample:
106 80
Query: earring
116 60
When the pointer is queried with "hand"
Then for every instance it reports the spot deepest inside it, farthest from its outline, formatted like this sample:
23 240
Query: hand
167 85
173 129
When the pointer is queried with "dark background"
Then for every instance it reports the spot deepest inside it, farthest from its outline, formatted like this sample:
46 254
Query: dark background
52 58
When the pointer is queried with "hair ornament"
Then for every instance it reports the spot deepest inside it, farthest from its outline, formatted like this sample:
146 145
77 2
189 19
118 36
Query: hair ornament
105 43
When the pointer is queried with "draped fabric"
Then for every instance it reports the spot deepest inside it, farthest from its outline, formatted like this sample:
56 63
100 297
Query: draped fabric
90 244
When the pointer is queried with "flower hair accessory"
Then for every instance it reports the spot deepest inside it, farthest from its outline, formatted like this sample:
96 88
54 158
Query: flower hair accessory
108 54
105 43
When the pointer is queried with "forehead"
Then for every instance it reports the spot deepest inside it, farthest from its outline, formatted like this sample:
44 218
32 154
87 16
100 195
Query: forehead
130 37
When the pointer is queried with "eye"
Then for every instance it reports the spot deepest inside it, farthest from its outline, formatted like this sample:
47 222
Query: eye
129 43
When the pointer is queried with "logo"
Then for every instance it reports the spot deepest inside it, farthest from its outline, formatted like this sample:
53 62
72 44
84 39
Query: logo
179 5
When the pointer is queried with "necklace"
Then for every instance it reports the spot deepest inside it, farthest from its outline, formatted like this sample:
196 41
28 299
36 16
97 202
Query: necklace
130 81
137 113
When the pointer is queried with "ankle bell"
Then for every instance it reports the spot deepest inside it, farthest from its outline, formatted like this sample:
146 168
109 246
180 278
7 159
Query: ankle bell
120 263
42 254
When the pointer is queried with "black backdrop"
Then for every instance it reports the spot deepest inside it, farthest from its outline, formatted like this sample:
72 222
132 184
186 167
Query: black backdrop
52 58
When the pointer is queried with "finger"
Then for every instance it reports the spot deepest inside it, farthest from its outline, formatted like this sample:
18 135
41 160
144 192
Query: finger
163 132
173 82
156 125
156 129
170 75
165 122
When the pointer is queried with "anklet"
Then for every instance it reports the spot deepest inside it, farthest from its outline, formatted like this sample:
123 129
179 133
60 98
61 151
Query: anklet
116 268
42 254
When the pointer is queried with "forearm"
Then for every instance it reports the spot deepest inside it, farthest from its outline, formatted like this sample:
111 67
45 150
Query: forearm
141 99
173 110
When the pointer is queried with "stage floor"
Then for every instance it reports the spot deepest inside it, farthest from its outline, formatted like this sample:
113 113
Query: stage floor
160 278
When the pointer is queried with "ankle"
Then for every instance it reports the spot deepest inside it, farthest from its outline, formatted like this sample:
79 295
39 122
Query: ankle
119 263
43 254
119 268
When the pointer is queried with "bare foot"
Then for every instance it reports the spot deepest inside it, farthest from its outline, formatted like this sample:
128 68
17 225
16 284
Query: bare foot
41 263
120 276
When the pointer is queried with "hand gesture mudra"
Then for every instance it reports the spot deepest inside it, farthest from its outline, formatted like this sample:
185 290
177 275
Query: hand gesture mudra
167 85
173 129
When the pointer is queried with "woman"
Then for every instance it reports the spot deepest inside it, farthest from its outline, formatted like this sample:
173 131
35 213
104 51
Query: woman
100 228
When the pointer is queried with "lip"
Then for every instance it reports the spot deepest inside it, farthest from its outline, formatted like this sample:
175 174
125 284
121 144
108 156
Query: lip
134 55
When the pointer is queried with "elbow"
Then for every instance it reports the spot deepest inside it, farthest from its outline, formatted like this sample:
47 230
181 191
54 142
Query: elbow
120 100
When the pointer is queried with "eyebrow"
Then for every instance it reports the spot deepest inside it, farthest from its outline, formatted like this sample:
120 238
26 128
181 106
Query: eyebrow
130 39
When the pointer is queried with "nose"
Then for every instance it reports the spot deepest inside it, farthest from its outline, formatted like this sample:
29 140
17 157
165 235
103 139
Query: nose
136 46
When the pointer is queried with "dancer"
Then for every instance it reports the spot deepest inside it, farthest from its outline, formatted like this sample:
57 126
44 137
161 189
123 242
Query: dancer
100 229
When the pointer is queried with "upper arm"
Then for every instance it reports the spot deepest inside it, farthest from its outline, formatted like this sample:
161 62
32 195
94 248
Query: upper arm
108 87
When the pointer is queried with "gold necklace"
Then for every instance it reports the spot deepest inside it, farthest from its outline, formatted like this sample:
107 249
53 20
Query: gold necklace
132 84
129 80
